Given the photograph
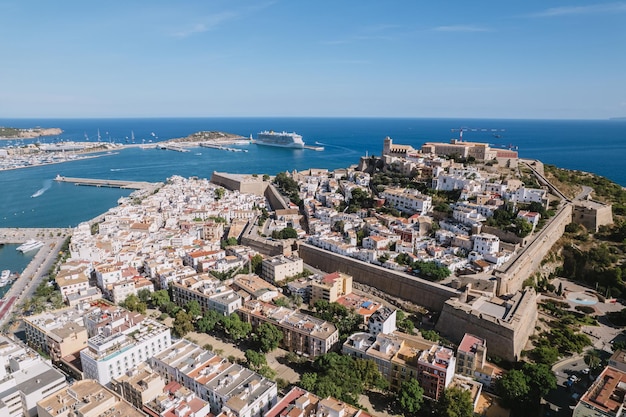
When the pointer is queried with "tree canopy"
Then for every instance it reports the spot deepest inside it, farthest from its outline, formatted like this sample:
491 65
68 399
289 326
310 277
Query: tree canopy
455 402
410 397
268 337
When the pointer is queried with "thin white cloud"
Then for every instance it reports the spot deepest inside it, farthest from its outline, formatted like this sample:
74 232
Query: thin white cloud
213 21
461 28
619 7
366 34
207 24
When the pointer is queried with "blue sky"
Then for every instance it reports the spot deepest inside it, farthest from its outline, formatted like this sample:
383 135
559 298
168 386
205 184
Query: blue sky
500 59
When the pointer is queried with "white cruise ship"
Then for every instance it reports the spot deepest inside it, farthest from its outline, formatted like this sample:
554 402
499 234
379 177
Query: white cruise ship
280 139
30 245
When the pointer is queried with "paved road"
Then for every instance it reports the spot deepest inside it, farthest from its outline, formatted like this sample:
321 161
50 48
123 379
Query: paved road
38 267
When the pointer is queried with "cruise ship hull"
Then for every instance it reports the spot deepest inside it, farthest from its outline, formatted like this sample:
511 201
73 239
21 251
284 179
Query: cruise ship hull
279 145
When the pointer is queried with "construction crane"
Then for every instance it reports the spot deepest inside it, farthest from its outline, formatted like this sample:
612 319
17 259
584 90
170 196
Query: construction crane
496 133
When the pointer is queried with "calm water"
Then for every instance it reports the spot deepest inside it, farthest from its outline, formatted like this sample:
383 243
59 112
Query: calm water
595 146
12 259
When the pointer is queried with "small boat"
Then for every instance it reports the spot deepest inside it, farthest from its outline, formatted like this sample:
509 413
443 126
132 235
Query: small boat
5 277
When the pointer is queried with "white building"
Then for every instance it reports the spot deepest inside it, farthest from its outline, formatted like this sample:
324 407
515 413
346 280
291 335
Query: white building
485 243
24 379
110 355
407 200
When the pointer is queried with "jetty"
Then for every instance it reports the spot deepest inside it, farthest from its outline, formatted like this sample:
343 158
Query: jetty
133 185
172 147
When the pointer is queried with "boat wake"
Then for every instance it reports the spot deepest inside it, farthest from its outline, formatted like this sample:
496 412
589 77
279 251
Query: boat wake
46 186
117 169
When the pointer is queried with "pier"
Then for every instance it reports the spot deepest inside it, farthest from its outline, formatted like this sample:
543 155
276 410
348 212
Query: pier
133 185
171 147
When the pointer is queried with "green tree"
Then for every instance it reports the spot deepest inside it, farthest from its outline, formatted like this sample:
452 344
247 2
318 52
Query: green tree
592 359
219 193
236 328
455 402
182 323
231 241
193 308
160 298
256 264
540 380
522 227
255 359
410 397
144 295
208 322
268 337
545 354
513 388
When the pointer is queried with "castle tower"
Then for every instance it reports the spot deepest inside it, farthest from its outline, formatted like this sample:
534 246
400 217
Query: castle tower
387 146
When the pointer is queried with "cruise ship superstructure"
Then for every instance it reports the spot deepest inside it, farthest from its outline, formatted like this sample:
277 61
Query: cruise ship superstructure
280 139
32 244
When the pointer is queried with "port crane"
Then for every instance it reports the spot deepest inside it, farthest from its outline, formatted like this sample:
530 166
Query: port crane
496 133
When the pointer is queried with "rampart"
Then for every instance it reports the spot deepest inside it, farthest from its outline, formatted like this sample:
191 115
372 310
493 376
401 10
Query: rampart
419 291
506 336
511 278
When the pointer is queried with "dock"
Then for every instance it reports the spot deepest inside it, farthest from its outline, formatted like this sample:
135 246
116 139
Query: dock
172 147
133 185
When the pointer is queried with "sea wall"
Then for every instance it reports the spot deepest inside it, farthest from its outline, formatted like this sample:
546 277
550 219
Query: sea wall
397 284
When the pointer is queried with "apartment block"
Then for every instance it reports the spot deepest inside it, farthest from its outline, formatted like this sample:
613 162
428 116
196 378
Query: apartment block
86 398
302 333
24 379
605 397
331 287
279 267
471 355
139 385
177 401
111 354
209 292
58 333
228 387
301 403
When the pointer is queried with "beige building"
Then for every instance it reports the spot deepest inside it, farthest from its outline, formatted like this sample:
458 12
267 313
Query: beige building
58 333
471 355
605 397
72 281
86 398
331 287
256 287
68 339
139 385
279 267
302 333
209 292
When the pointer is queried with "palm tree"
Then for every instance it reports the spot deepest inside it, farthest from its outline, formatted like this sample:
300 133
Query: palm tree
592 359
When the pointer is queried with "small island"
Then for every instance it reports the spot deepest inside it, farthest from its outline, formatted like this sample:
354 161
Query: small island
17 133
217 138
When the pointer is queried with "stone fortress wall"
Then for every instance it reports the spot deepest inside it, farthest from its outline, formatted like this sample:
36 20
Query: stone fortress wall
506 337
511 278
397 284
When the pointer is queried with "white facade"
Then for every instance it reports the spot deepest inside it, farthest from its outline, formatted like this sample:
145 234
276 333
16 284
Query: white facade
410 201
110 356
485 243
24 380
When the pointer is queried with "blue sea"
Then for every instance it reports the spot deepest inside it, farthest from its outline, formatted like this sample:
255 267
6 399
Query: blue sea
590 145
